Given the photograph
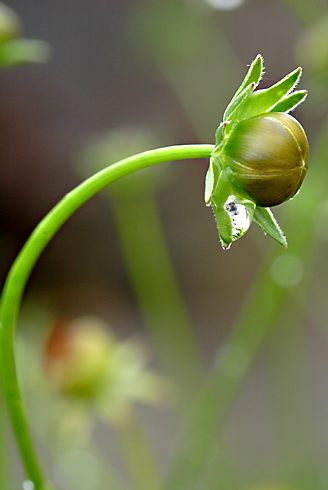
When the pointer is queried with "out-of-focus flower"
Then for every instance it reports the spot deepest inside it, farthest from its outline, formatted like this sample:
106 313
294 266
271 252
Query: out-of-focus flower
76 356
84 360
88 375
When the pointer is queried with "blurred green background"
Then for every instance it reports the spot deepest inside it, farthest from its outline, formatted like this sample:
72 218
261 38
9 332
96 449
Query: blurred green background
216 368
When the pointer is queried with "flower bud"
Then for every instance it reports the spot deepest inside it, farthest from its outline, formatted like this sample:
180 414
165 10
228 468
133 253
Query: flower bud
266 156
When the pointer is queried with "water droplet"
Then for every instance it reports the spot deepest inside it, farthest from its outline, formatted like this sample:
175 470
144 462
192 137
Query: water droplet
287 270
28 485
241 215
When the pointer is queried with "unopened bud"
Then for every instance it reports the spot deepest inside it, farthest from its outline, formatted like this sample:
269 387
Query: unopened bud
267 157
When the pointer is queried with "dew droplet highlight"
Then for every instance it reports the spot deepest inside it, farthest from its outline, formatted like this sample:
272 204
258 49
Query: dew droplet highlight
240 216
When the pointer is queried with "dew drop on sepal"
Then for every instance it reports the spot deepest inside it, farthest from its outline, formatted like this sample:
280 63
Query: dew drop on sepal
240 215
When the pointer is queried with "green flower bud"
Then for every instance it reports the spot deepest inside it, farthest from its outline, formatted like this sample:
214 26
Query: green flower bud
266 157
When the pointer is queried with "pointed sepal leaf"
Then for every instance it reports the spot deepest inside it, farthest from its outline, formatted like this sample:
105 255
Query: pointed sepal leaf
220 192
264 100
233 212
290 102
267 222
252 77
237 101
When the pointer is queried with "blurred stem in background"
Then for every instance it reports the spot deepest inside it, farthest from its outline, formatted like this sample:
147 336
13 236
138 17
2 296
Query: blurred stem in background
152 275
138 457
224 477
290 394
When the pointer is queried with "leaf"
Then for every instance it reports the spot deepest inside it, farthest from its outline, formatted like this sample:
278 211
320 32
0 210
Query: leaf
253 76
233 212
290 102
237 100
218 198
263 101
267 222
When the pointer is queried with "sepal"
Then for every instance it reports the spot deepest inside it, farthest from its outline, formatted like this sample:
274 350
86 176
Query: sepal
233 212
290 102
264 100
253 77
265 219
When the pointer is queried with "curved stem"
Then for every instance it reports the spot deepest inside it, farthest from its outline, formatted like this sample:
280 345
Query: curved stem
23 266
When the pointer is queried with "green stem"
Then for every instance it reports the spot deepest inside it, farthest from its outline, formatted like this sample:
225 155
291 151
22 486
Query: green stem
23 266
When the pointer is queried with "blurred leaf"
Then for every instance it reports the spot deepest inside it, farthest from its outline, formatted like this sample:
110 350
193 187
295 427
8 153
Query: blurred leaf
22 51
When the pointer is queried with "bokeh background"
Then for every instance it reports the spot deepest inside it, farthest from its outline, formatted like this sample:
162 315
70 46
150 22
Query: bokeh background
240 335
